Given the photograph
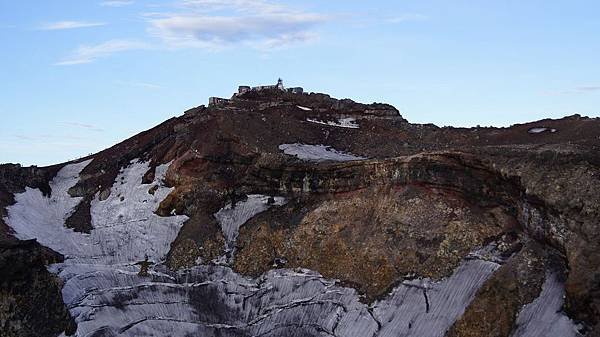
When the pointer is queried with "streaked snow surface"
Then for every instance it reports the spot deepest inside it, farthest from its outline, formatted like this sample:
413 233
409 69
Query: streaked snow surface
348 122
232 218
34 216
125 226
543 316
316 152
447 299
107 298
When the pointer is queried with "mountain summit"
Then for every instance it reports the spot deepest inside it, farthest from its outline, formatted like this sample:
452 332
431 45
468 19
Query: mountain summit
278 212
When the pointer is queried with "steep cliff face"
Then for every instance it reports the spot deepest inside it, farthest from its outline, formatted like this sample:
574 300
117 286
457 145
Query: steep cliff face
279 214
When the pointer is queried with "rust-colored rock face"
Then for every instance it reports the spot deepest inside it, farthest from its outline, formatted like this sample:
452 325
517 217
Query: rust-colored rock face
416 202
371 238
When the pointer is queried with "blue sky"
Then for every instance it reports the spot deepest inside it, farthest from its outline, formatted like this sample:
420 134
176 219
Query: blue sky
79 76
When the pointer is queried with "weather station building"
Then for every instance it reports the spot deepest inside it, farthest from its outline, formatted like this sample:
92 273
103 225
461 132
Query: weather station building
242 89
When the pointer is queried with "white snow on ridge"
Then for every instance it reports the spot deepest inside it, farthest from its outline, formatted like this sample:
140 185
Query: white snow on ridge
316 152
232 218
348 122
125 225
543 316
99 271
34 216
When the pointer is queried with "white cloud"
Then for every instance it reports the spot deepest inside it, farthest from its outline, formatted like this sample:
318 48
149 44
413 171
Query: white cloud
84 126
205 31
583 89
241 6
407 18
116 3
223 23
60 25
90 53
588 88
213 24
284 40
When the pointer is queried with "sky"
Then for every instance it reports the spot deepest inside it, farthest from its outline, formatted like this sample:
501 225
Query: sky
78 76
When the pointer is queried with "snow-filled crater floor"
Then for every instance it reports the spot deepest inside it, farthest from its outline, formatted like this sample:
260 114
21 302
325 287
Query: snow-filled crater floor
107 297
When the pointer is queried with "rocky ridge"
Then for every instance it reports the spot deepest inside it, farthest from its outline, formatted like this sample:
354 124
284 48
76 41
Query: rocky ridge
419 202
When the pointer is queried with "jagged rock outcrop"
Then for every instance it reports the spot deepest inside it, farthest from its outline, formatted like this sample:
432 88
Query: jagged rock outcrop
30 297
241 199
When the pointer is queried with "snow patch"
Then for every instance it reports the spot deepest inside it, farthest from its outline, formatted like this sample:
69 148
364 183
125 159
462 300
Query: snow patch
232 218
540 130
125 225
316 152
34 216
422 307
348 122
543 316
99 271
303 108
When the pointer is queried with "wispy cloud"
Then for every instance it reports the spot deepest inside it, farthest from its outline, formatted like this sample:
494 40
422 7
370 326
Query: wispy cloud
45 137
61 25
588 88
212 24
411 17
224 23
84 126
90 53
583 89
242 6
24 137
116 3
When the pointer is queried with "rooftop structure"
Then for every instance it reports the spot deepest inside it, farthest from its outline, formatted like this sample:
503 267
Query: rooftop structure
242 89
214 101
279 86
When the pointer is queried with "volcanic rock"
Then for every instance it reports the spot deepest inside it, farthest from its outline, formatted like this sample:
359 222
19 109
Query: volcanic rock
369 225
